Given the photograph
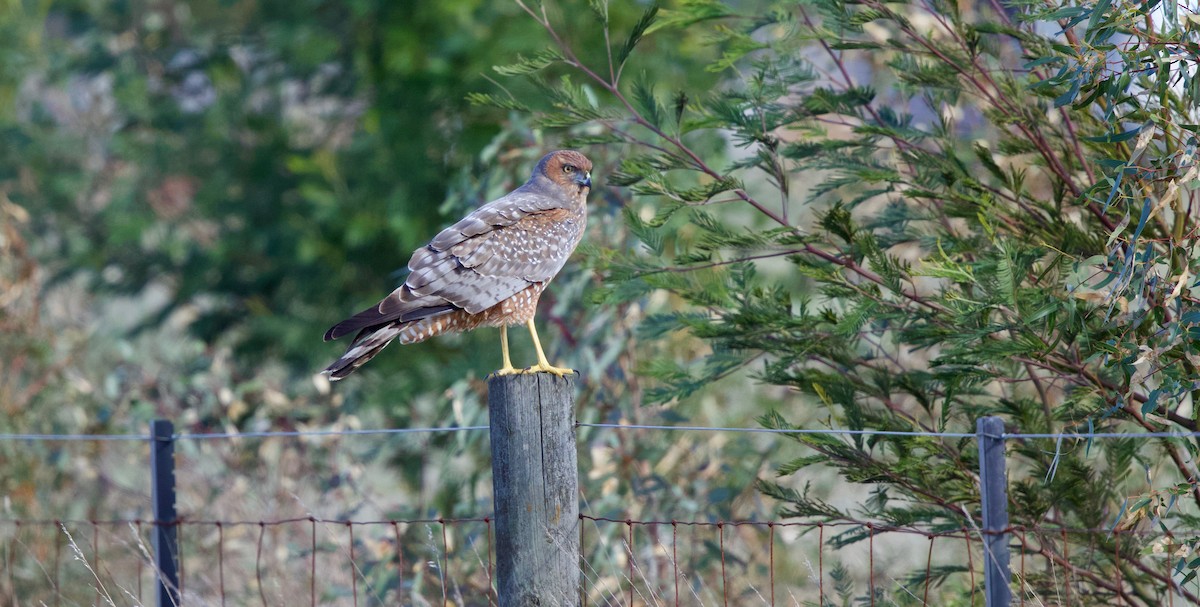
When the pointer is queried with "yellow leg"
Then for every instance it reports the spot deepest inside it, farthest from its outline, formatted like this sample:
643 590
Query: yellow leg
507 369
543 364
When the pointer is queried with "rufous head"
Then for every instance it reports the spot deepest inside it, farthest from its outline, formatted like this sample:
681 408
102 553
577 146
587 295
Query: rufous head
568 169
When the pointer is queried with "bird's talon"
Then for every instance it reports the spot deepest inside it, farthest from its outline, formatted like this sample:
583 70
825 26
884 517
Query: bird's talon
559 371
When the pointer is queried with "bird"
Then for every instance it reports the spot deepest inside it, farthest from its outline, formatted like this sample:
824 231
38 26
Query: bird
488 269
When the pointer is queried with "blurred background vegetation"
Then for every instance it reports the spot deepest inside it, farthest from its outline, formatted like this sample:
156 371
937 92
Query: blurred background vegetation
192 192
857 215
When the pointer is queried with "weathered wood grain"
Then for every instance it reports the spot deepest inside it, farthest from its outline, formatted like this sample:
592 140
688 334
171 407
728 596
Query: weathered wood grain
536 489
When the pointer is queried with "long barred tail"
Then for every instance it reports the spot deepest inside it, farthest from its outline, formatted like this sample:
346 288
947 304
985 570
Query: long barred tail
363 349
372 340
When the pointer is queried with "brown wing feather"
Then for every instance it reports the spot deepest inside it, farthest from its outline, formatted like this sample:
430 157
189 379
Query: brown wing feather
535 249
481 260
504 211
472 265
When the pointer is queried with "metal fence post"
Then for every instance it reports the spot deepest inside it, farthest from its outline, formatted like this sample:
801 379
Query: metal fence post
162 492
535 486
993 484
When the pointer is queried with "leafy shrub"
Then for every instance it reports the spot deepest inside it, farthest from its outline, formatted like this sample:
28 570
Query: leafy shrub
930 212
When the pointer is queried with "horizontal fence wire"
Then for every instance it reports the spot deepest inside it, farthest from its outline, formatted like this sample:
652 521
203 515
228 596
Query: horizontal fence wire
236 435
666 428
878 527
74 437
830 431
319 433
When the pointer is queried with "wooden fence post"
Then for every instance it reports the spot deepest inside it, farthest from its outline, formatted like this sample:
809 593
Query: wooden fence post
162 493
535 480
993 484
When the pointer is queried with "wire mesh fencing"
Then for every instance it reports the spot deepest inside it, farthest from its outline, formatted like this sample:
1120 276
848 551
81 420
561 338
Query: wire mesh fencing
624 560
300 561
627 562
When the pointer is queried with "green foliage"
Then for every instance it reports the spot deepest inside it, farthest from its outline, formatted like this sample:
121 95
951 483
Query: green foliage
635 35
900 216
269 167
932 213
192 192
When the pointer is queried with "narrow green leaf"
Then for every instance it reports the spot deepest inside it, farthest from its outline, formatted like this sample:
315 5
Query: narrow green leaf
1098 12
681 101
647 104
639 30
1070 95
1151 403
1067 12
1116 137
487 99
524 66
690 13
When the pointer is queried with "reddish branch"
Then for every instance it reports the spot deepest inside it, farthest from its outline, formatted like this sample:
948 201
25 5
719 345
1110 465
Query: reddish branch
698 163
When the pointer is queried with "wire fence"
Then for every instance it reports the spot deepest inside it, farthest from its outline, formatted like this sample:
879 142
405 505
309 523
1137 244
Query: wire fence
624 561
184 436
314 561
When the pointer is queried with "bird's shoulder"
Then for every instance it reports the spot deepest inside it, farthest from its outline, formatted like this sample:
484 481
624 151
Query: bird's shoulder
530 199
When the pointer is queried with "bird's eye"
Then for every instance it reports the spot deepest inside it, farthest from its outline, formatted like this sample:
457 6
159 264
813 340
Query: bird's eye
568 169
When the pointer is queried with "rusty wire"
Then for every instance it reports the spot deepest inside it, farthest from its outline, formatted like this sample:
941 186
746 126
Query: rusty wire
100 559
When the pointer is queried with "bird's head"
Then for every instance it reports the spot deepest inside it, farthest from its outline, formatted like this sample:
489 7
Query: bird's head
567 168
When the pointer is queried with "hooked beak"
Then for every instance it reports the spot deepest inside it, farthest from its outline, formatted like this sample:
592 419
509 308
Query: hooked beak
584 179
